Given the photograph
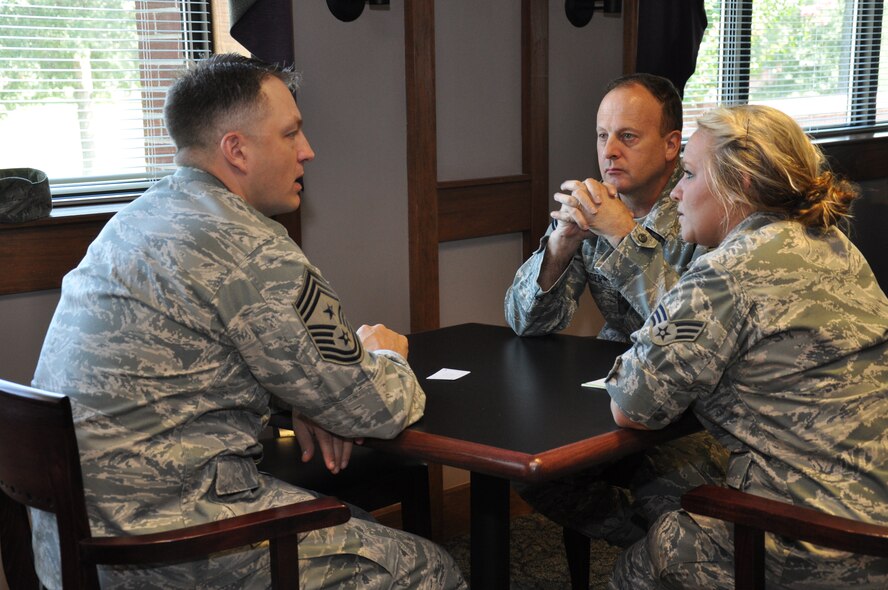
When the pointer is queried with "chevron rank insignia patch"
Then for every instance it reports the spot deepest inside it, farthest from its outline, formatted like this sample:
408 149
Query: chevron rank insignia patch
666 331
319 308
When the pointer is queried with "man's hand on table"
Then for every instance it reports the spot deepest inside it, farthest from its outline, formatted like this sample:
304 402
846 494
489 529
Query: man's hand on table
378 337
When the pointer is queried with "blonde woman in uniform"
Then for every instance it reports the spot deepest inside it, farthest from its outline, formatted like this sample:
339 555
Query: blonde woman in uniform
777 340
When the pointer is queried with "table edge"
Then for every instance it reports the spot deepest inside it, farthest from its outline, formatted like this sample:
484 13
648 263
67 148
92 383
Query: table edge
531 467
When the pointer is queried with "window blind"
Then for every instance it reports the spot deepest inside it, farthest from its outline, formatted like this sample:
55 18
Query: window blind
816 60
82 85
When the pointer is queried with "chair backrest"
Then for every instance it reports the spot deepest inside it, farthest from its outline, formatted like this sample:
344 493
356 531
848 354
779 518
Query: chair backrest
868 232
40 467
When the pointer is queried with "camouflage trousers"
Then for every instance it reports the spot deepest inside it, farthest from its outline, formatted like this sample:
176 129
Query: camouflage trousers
386 559
359 554
691 552
618 503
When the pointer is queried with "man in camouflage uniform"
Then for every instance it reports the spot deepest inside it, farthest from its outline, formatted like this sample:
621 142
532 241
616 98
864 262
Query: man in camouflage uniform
190 315
622 239
791 375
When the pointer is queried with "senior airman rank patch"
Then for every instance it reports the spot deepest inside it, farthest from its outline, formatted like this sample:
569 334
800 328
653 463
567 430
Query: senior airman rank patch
665 331
318 306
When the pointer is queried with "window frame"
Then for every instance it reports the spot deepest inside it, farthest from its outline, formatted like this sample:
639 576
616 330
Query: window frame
737 49
37 254
202 27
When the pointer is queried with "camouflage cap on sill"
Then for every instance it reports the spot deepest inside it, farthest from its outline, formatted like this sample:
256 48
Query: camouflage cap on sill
24 195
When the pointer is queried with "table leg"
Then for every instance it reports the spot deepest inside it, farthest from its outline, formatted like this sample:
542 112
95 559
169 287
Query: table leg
490 532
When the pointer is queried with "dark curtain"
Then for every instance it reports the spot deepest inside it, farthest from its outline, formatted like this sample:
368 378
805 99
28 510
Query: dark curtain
669 36
265 28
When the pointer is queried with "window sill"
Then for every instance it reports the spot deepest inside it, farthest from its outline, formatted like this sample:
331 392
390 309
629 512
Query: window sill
37 254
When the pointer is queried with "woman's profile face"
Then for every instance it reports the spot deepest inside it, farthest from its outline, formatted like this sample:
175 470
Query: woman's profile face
701 216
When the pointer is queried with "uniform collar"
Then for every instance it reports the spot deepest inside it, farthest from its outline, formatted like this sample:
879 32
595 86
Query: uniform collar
190 173
662 219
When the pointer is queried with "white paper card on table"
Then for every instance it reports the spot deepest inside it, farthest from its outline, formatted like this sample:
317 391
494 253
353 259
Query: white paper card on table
448 374
597 384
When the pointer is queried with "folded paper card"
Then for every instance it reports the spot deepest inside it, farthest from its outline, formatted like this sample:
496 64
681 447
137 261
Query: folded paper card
448 374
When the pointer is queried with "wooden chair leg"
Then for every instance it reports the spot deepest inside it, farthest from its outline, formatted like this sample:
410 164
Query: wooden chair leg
749 549
576 548
436 500
416 510
15 545
284 562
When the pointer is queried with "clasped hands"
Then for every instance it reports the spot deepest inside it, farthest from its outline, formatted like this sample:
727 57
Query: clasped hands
335 450
592 206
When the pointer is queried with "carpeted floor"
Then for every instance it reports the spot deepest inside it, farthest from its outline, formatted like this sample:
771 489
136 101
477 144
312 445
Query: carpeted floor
537 556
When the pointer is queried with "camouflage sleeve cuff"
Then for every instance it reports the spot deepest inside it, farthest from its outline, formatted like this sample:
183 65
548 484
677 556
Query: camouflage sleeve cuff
529 275
392 355
655 420
636 405
629 256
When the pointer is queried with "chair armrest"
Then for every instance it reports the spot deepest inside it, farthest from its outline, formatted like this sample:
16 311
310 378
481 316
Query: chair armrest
785 519
193 542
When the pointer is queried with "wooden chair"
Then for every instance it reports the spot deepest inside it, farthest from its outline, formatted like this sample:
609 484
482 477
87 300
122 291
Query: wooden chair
868 232
576 548
40 467
753 516
576 544
372 480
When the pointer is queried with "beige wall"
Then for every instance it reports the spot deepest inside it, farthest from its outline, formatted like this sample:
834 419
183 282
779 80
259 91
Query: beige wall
23 322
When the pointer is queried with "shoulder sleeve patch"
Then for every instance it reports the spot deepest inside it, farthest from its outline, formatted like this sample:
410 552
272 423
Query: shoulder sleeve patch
318 306
665 331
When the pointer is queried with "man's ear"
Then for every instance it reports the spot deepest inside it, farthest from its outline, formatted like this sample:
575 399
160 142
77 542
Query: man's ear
233 148
673 145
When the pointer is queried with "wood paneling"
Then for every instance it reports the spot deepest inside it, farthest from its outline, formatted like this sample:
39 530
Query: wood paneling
36 255
422 163
470 208
630 35
535 116
484 207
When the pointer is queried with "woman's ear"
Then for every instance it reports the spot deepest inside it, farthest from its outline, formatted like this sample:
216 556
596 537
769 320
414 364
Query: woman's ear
233 146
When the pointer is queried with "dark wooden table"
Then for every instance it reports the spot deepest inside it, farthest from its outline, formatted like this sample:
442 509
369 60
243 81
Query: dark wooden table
521 414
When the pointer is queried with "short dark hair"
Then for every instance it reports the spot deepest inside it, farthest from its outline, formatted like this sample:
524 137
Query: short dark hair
663 90
212 91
